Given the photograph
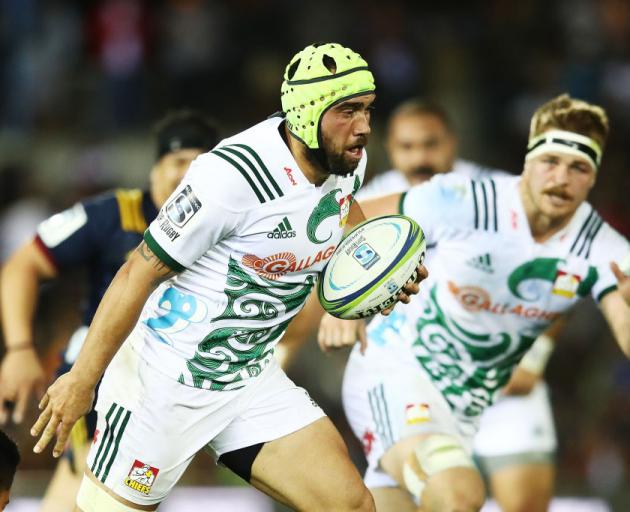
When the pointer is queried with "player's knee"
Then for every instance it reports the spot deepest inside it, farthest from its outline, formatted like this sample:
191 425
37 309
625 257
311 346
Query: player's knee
466 497
454 490
362 501
93 498
432 456
524 503
355 497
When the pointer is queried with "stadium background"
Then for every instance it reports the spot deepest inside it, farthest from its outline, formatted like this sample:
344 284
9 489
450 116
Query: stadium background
81 83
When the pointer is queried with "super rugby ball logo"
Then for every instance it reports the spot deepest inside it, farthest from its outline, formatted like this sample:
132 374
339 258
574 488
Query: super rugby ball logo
183 207
366 255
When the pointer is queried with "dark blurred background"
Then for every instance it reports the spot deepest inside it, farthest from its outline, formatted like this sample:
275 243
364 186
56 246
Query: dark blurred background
82 82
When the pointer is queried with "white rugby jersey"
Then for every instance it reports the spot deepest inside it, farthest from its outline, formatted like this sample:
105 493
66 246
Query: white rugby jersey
249 234
493 289
394 181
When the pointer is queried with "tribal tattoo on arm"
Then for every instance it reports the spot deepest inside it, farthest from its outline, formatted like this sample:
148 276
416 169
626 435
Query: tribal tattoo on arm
149 256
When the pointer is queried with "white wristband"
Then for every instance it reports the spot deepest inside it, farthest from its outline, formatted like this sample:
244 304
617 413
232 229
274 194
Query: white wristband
536 358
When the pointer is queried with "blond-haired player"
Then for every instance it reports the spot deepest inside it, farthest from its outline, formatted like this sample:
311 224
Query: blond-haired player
516 443
430 371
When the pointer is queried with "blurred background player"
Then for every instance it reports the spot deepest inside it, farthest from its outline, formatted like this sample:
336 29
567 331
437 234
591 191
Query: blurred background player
516 442
546 248
515 449
9 460
421 142
97 233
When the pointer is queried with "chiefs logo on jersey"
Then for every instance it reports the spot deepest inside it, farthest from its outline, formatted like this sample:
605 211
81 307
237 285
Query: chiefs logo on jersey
566 284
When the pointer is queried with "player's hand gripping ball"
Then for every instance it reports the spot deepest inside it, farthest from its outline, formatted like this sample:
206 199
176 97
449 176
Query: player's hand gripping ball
370 266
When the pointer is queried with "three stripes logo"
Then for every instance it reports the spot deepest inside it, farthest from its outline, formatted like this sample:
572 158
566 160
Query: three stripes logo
283 230
584 240
115 423
380 415
484 195
249 164
482 262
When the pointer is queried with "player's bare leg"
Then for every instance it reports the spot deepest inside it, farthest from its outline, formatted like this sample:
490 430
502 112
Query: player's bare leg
310 470
98 498
392 498
523 487
458 488
62 490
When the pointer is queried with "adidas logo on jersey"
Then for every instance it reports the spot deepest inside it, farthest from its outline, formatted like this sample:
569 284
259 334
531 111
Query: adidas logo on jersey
482 262
283 230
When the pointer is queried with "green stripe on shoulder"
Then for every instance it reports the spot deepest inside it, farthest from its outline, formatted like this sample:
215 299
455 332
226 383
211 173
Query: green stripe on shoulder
605 292
249 164
161 253
243 172
474 196
273 182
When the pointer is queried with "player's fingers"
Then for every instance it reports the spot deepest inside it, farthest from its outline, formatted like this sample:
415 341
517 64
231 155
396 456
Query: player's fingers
349 333
619 275
403 297
322 337
44 417
326 332
22 402
411 288
334 342
43 402
49 433
62 437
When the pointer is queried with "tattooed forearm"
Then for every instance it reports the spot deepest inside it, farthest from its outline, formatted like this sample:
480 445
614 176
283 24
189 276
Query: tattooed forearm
149 256
162 269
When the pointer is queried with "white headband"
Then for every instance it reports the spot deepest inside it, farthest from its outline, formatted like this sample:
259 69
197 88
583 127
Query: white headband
565 142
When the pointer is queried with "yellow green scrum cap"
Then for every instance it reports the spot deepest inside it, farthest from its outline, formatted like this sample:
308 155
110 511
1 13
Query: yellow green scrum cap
315 79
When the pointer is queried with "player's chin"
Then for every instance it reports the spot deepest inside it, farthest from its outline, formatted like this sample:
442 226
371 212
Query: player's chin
344 166
351 161
556 211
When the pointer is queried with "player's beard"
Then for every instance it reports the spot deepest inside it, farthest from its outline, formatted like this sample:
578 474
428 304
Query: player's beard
340 163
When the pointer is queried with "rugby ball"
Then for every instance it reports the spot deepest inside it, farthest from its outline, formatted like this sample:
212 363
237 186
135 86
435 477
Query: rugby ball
370 266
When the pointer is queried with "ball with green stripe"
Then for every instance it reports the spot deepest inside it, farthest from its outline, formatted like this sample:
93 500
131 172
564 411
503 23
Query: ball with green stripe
370 266
316 78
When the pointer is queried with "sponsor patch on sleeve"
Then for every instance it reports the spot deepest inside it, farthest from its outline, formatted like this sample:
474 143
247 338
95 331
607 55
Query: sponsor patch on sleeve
183 207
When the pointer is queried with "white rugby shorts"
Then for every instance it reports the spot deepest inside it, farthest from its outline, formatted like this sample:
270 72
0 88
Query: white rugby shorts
386 398
150 426
517 429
